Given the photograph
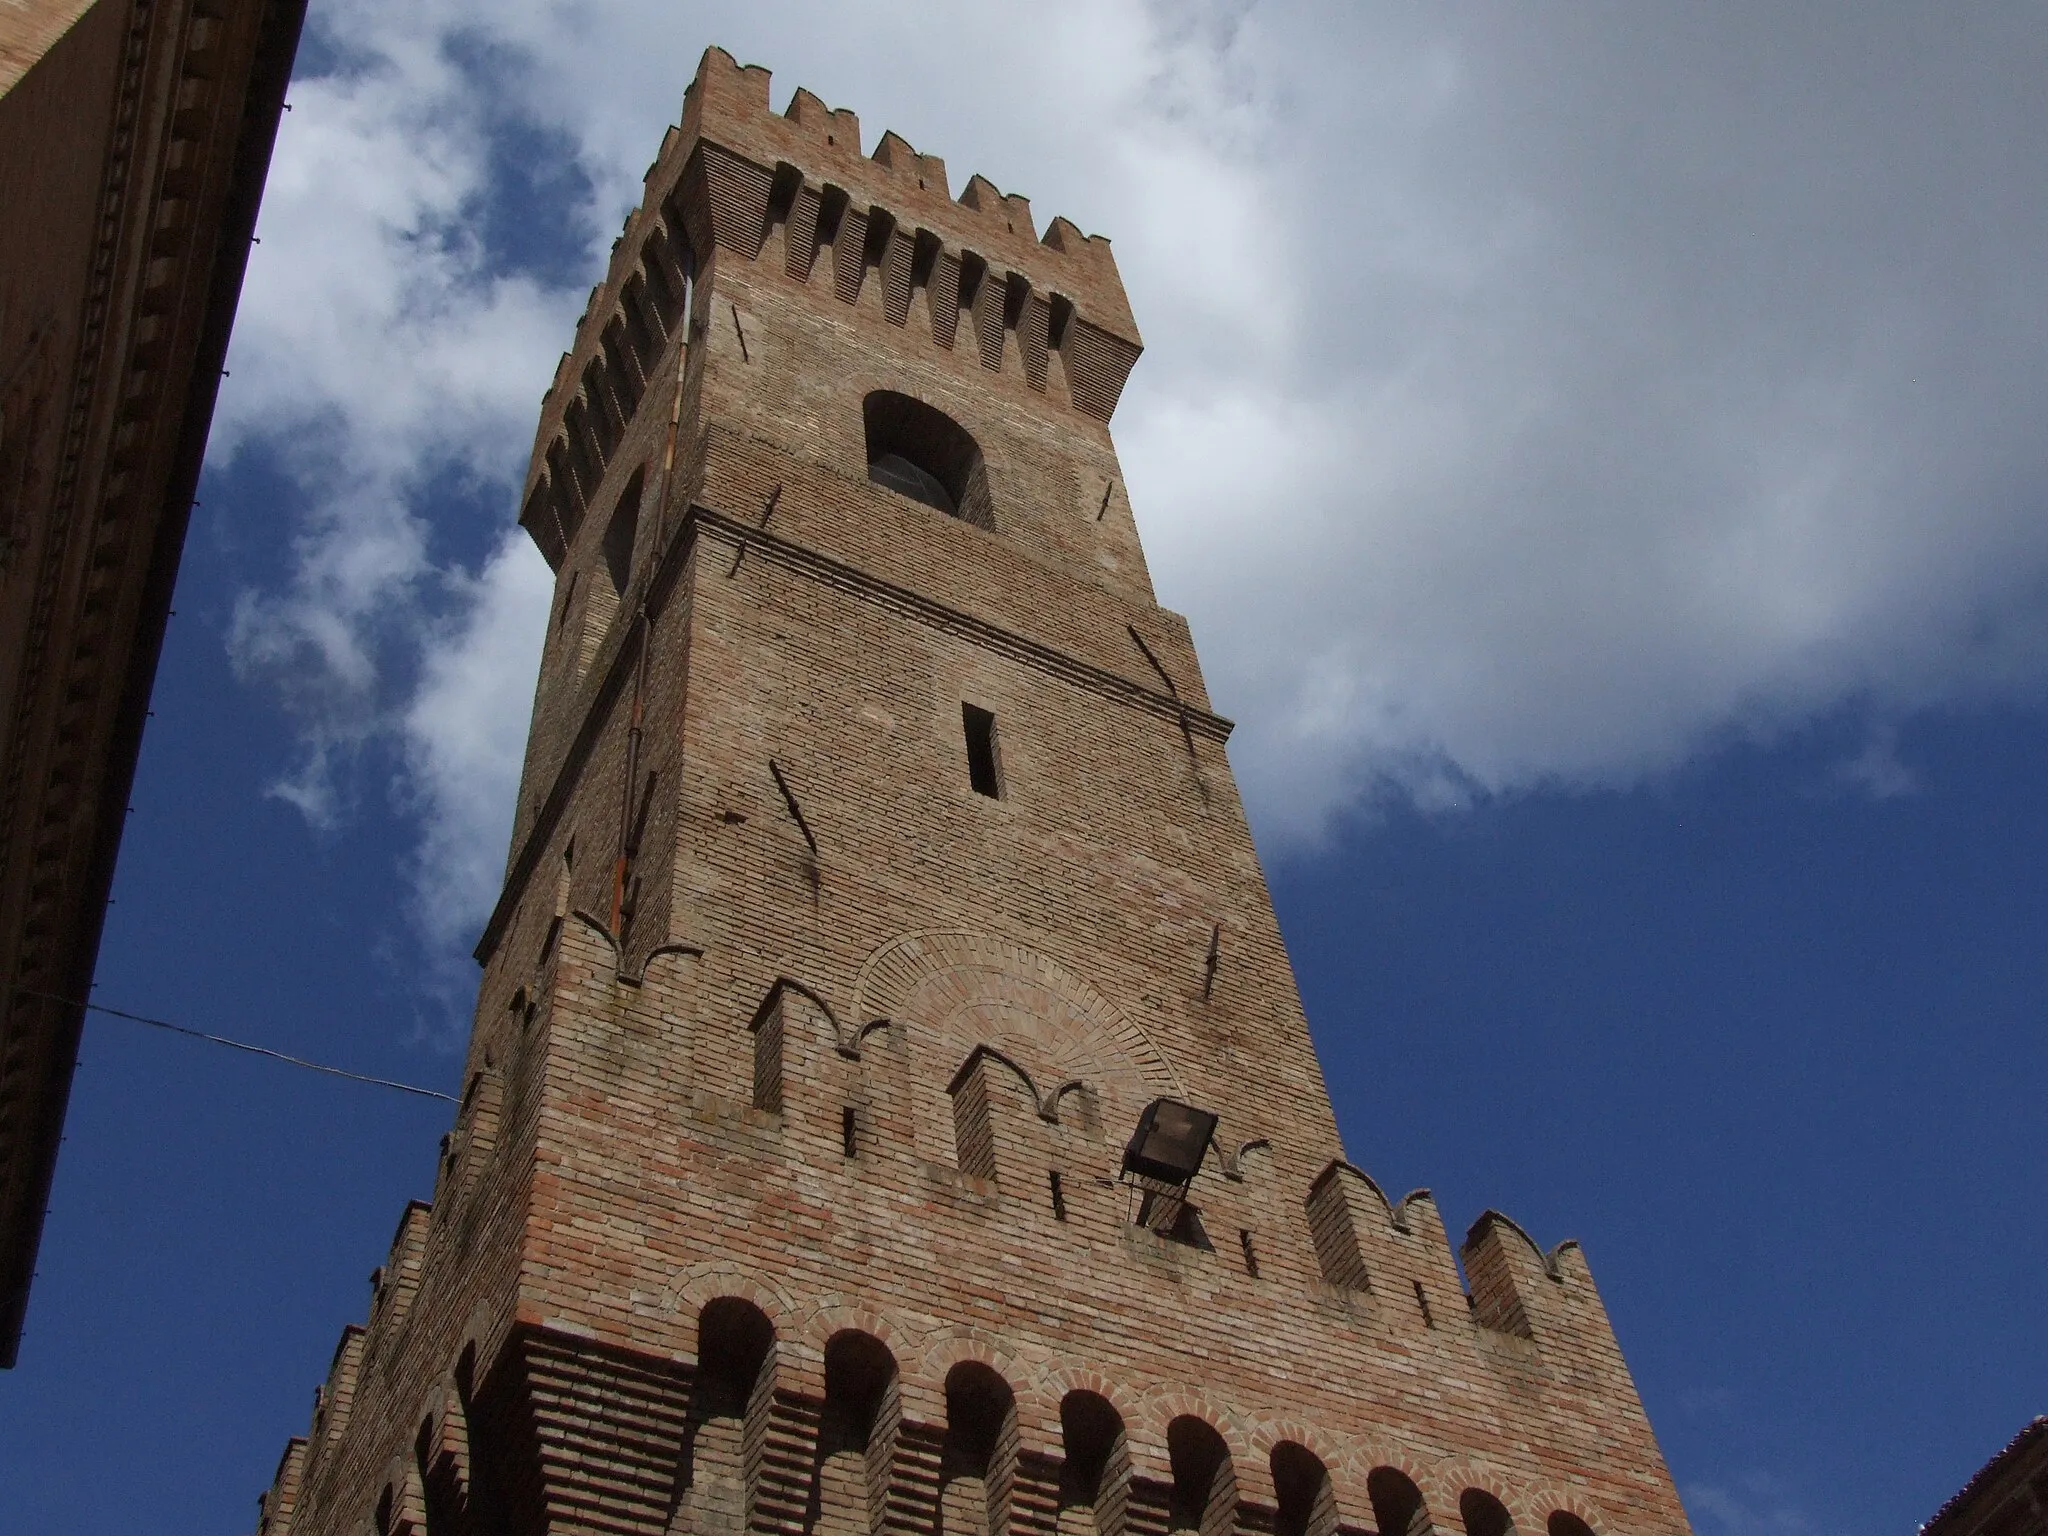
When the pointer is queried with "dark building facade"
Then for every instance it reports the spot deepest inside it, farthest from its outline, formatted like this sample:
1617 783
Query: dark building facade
134 139
2007 1497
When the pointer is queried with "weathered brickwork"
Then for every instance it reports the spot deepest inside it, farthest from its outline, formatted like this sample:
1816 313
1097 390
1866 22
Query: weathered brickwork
784 1195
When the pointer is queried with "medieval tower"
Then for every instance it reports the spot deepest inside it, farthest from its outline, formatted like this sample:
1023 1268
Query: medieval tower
889 1108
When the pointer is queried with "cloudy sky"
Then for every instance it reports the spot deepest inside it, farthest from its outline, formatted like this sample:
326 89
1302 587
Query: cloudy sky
1577 426
1536 397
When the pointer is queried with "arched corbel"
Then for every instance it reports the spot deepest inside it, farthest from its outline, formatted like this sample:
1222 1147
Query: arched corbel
694 951
974 1056
1050 1113
853 1051
1233 1162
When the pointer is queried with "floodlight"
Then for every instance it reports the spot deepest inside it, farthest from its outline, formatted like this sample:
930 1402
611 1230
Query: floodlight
1169 1142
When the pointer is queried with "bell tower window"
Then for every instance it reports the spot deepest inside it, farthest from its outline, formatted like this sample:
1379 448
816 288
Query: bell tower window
898 474
920 452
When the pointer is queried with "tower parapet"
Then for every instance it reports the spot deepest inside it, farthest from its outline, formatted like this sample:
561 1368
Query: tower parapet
877 866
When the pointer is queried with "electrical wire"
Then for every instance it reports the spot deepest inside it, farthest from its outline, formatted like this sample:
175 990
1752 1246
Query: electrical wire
239 1045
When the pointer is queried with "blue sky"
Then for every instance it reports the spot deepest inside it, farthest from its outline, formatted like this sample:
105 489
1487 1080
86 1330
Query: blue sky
1600 457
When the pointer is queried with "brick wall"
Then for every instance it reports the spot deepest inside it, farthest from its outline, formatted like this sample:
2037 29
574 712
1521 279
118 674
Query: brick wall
787 1031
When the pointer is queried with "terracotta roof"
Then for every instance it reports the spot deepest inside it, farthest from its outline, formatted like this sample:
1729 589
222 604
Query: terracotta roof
2037 1429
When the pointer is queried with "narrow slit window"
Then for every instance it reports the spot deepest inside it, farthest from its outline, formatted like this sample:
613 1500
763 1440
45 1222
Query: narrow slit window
849 1131
1059 1197
1422 1305
1251 1253
983 764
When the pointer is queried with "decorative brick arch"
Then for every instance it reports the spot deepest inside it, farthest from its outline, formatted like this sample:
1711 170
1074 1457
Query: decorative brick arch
952 990
1449 1478
1253 1157
839 1317
701 1284
1146 1429
1543 1500
1056 1381
1417 1472
807 1341
924 1379
1257 1477
1271 1432
1017 1071
1351 1460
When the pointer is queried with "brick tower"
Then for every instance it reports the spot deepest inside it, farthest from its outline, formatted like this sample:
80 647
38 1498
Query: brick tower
877 864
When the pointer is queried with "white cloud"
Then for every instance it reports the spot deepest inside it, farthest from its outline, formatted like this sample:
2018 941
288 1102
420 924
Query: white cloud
382 357
1534 398
1755 1504
464 730
1877 771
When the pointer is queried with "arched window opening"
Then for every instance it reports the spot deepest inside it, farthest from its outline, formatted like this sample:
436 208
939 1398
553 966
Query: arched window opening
727 1428
1301 1483
735 1348
896 473
860 1383
1484 1515
977 1463
620 533
1095 1481
856 1434
1397 1504
1564 1523
1204 1483
919 452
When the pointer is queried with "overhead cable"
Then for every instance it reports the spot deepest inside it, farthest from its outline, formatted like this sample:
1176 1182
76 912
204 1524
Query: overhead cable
239 1045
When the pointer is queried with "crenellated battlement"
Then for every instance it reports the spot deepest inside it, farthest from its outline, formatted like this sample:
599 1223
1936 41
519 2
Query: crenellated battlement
1510 1286
737 178
278 1503
727 106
